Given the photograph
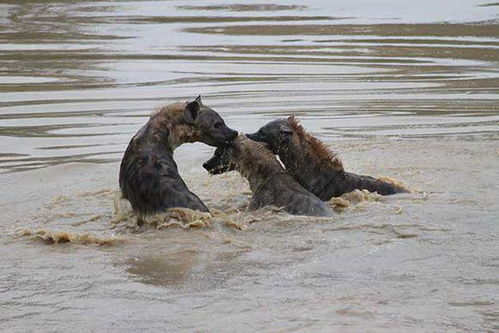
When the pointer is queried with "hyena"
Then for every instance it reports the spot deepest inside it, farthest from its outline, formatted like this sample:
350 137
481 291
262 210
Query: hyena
312 164
149 177
270 183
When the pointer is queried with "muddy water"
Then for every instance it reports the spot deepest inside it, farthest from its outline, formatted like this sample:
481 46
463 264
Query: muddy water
406 89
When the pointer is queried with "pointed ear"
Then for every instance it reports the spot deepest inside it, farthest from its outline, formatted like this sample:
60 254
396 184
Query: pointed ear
191 112
291 119
198 99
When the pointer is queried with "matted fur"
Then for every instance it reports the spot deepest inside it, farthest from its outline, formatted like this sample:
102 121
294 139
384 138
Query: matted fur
318 147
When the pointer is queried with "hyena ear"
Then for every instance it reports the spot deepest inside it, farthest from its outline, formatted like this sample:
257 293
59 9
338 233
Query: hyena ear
191 111
198 99
291 118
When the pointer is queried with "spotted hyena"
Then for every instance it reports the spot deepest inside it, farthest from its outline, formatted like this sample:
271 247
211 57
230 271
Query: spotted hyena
270 183
313 164
149 177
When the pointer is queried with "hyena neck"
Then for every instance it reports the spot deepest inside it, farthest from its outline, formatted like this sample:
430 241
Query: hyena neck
258 165
168 128
310 162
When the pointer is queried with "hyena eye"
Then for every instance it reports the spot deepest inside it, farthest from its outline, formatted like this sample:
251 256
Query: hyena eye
218 124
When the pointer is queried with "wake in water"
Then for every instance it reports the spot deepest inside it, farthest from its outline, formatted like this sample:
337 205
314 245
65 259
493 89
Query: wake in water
230 215
58 237
85 217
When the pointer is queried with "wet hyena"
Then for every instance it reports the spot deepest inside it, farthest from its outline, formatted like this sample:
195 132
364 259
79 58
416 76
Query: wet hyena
312 164
270 183
149 177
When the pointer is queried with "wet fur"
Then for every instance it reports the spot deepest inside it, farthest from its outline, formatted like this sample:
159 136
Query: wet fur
314 165
270 183
149 176
317 147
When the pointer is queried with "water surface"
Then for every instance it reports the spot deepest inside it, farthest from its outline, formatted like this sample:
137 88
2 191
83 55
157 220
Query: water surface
398 88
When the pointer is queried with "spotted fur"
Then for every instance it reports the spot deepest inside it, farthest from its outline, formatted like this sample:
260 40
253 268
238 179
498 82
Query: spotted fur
270 183
313 164
149 176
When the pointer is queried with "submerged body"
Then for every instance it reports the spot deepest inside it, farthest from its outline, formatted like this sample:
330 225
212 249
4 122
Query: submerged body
149 176
312 164
270 183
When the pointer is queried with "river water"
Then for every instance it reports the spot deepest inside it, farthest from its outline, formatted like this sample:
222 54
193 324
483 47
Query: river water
405 89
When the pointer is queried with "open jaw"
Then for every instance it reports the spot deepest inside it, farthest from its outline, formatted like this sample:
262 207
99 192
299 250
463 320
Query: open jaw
220 161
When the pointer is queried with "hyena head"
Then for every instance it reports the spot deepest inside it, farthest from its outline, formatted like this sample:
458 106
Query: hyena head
211 128
243 154
275 134
228 157
221 161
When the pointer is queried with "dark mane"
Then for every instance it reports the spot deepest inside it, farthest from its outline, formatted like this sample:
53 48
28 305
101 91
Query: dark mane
320 149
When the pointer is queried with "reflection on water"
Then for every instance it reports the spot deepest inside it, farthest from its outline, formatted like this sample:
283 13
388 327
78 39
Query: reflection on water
165 269
78 79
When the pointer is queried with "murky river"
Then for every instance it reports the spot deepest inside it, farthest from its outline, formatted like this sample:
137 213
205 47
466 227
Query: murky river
405 89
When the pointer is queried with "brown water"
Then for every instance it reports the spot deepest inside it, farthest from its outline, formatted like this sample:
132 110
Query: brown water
406 89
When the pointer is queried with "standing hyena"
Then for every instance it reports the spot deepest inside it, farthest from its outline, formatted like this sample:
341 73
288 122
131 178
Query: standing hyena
270 183
312 164
149 177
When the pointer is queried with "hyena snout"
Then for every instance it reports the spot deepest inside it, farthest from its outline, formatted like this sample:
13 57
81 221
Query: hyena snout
211 128
256 137
214 131
225 134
